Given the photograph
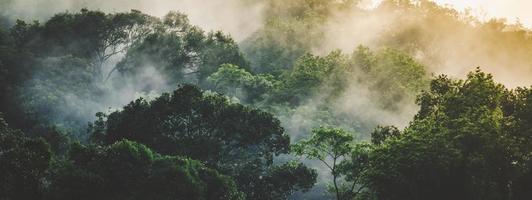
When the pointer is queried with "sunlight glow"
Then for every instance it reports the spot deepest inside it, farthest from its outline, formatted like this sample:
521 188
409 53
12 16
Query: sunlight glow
510 9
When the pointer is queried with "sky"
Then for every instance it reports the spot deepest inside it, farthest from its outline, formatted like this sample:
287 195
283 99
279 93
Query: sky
232 16
221 9
510 9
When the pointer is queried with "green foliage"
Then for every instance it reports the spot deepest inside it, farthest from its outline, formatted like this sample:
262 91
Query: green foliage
53 68
416 168
290 30
235 81
230 78
319 87
52 73
307 77
471 139
389 75
236 140
335 148
91 35
128 170
355 169
181 50
123 170
48 97
381 134
281 181
23 164
56 137
395 75
462 145
325 142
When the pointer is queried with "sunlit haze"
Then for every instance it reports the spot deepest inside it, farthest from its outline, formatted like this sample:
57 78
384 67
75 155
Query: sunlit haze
510 9
266 99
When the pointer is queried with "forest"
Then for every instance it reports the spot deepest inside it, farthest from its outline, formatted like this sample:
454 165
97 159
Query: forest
409 100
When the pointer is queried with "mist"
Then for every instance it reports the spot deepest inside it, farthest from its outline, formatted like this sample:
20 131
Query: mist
239 18
367 24
447 41
443 40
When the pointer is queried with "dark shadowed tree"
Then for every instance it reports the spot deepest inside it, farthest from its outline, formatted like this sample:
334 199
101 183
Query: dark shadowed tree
23 164
236 140
128 170
382 133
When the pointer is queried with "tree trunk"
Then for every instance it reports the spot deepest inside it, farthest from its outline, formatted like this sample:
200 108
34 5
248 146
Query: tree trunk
338 196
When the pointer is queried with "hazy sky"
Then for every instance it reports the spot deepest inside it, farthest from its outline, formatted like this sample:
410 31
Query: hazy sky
209 12
486 9
510 9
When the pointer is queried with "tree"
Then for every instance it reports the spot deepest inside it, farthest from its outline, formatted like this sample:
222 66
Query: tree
391 75
185 53
307 77
236 140
23 164
336 150
463 144
126 30
94 35
230 79
283 180
382 133
55 67
290 30
518 106
53 72
128 170
48 98
91 35
355 169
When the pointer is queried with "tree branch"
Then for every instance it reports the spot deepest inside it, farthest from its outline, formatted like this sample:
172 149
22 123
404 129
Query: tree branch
327 164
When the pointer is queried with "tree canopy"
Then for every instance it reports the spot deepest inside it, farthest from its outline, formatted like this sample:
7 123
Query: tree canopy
325 99
129 170
465 143
237 140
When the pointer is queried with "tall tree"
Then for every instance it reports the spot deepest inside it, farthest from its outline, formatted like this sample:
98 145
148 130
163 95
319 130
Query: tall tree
236 140
336 149
184 52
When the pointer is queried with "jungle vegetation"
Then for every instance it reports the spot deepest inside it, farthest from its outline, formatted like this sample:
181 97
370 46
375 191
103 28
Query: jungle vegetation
126 105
